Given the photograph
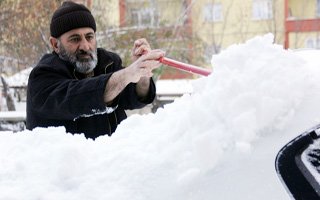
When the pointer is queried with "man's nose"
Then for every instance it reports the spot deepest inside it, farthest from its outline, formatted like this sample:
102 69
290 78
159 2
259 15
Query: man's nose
84 45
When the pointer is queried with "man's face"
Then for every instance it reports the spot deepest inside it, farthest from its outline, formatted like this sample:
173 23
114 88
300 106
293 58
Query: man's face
79 47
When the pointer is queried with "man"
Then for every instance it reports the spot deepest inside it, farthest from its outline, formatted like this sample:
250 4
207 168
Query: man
85 88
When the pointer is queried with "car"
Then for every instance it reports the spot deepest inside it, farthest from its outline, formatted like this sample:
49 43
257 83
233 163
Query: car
298 165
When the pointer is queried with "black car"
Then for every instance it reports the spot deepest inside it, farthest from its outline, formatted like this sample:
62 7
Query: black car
298 165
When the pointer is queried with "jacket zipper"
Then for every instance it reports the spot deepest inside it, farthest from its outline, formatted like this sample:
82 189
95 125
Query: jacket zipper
105 69
109 126
115 116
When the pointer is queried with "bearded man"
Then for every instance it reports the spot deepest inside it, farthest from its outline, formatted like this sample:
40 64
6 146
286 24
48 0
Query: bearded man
84 88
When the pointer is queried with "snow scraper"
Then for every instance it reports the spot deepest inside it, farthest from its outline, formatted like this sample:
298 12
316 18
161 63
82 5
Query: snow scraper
185 67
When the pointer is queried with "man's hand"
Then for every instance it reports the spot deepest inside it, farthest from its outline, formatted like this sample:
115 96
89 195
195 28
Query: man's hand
144 65
140 71
140 47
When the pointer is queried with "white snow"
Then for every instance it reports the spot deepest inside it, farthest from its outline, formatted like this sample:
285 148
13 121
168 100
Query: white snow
173 87
13 115
219 142
19 79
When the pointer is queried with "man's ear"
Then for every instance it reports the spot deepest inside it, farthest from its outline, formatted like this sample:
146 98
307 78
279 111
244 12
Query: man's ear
54 44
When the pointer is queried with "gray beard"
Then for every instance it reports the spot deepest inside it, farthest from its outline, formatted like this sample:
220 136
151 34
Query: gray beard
82 65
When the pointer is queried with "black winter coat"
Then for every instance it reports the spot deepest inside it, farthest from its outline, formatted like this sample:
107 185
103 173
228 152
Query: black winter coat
59 96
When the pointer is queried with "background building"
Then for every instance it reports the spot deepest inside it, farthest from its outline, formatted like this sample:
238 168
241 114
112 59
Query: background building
190 31
213 25
302 26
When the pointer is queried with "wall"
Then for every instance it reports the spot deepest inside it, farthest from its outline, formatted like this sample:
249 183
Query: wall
237 24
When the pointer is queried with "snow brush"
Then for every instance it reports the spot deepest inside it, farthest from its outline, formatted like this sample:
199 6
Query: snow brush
185 67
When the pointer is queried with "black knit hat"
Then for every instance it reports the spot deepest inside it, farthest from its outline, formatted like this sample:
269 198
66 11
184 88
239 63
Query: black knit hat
70 16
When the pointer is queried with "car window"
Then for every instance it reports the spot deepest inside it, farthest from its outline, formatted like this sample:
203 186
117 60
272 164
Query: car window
298 165
309 164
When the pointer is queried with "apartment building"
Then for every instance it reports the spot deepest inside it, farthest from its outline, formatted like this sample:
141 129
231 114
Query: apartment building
213 25
294 23
163 22
221 23
302 25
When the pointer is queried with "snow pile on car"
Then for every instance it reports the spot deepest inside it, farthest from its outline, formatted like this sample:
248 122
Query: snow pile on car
217 143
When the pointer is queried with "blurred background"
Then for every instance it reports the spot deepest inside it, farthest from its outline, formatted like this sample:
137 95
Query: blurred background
190 31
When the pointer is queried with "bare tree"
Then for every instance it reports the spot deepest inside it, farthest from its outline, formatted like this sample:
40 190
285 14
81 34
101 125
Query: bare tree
24 29
173 38
7 95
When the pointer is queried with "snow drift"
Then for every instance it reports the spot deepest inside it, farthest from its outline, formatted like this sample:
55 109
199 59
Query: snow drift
218 143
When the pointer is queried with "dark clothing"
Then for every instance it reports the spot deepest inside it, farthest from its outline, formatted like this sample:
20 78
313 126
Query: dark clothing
59 96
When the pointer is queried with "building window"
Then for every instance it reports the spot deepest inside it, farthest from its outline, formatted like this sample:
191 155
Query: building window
212 12
309 43
143 17
313 43
262 9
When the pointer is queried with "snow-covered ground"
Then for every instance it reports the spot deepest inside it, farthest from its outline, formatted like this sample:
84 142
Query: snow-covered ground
219 142
19 79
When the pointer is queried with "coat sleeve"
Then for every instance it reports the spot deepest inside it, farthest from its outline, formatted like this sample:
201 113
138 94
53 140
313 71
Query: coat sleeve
54 95
128 98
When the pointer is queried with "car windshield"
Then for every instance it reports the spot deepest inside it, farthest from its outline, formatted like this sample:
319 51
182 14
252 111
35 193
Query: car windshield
310 158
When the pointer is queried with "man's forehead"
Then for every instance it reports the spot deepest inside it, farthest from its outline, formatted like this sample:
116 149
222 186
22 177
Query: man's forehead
78 31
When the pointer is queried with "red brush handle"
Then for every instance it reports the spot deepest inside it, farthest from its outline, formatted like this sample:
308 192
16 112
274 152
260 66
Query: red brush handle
185 67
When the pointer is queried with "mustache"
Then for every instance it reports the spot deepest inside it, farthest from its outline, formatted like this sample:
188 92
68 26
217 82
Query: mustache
80 53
